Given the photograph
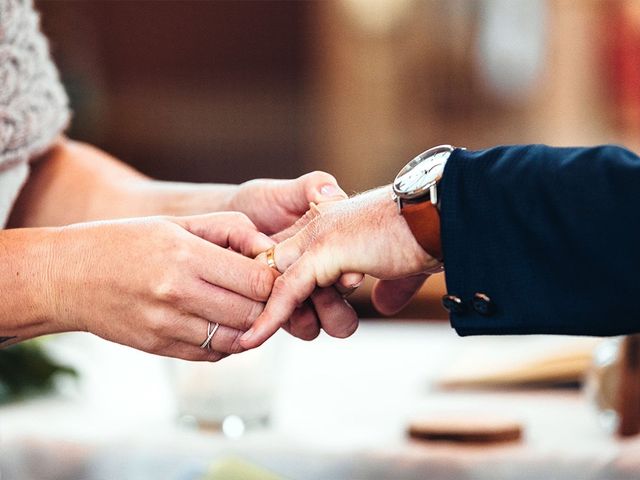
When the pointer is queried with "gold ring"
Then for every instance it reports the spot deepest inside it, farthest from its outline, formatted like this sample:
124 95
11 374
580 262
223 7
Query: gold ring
271 257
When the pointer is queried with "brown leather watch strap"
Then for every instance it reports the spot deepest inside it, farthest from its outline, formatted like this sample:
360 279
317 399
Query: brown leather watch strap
423 219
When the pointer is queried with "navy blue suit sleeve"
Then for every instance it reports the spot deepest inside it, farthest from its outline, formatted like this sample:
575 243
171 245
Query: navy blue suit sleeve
550 235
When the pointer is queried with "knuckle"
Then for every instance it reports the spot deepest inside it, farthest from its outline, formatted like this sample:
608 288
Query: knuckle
260 282
190 355
158 344
168 289
239 218
324 274
157 324
168 228
235 346
181 254
253 312
280 285
213 356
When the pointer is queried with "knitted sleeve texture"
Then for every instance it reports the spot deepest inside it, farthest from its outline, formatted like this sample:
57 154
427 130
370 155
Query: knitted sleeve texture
33 104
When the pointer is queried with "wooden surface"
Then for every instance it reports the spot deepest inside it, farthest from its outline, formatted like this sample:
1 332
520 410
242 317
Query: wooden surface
629 389
340 411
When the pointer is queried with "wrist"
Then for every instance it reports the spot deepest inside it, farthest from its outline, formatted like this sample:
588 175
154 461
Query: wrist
415 189
392 249
26 268
426 260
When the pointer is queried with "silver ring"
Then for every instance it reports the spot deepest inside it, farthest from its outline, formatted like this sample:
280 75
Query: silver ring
211 331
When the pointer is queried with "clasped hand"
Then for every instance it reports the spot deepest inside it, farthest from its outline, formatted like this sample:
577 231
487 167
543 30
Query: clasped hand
158 284
162 283
364 234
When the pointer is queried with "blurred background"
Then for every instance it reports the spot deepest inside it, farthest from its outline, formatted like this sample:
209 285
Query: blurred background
227 91
233 90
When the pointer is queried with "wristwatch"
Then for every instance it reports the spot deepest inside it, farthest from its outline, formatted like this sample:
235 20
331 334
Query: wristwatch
415 190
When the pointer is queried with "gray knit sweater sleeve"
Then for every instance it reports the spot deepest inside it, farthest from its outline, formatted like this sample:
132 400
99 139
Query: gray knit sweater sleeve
33 104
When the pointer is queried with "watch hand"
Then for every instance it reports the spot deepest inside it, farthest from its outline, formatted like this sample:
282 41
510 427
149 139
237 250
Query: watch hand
412 180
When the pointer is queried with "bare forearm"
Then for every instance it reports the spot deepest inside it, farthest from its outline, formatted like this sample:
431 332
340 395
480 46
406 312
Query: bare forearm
71 183
26 298
154 197
75 182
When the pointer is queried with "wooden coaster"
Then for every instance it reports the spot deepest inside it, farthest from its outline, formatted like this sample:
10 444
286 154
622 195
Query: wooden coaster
466 429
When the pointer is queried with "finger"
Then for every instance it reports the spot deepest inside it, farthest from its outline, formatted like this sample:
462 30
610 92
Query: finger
227 340
294 196
302 222
315 187
286 252
289 291
230 270
192 353
391 296
216 304
348 282
228 229
336 316
195 331
304 323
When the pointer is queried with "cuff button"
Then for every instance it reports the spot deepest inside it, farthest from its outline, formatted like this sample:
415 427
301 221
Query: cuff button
483 305
453 304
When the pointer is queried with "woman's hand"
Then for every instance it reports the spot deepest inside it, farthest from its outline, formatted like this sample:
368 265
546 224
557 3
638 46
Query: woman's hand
155 284
75 182
364 234
274 205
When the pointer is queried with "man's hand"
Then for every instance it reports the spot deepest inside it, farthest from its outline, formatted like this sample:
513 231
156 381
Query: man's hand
364 234
391 296
274 206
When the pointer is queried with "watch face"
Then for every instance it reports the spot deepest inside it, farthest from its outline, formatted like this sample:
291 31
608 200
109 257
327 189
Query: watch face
421 173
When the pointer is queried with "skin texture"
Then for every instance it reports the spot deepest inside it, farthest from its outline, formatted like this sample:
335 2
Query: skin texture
275 205
111 268
364 234
152 283
391 296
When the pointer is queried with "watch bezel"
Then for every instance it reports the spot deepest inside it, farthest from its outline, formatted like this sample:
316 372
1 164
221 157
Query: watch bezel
422 190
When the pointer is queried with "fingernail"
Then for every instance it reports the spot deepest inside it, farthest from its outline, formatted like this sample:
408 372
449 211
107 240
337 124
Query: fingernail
247 335
267 239
331 190
357 284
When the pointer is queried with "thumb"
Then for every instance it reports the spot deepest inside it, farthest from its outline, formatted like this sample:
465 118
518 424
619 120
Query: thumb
314 187
391 296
